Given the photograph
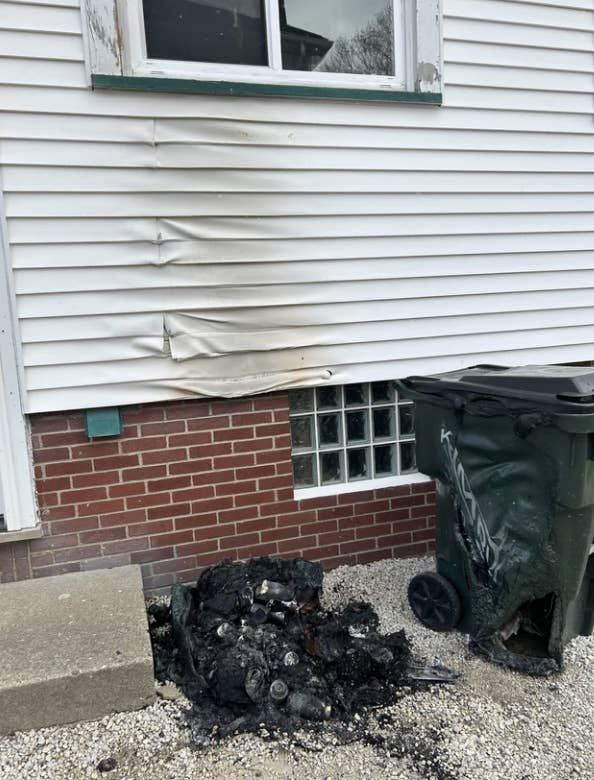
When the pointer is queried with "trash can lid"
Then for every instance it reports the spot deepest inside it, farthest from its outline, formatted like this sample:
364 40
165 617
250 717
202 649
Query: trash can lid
569 388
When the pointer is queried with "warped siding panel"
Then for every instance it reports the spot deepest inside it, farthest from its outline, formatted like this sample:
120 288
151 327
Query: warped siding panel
166 244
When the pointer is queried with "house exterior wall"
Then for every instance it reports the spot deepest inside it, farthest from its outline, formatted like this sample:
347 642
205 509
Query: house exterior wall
282 242
189 483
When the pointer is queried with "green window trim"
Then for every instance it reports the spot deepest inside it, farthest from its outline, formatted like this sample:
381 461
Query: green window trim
199 87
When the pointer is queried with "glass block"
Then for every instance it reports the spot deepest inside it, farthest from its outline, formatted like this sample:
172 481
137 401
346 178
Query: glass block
300 401
406 419
328 397
213 31
355 395
302 432
356 423
383 423
304 471
329 430
382 392
384 460
331 467
407 457
358 463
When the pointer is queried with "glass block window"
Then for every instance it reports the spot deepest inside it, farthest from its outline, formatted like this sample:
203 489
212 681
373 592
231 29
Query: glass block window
348 434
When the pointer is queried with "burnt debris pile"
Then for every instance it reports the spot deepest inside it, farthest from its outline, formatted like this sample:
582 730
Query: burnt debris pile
250 646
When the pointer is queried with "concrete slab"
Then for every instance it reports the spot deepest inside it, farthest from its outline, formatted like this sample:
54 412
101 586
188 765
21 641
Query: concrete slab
73 647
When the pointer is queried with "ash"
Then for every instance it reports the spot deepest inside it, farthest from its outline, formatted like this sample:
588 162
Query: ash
253 651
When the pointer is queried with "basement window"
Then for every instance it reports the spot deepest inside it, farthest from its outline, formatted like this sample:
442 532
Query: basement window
269 47
352 437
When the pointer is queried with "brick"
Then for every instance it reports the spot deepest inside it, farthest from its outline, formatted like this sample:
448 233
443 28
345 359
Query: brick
158 428
148 556
51 485
102 535
169 483
251 418
422 487
281 415
277 508
77 553
193 493
127 489
83 495
51 455
144 443
317 503
168 510
395 540
187 467
397 503
255 499
248 526
368 531
187 411
218 477
268 455
232 406
194 548
144 473
143 414
164 456
194 521
58 568
126 545
242 513
301 543
106 562
95 449
148 499
417 548
189 439
372 555
216 532
54 542
63 438
234 461
335 537
359 545
48 424
233 434
239 540
100 507
115 462
148 529
213 423
58 513
356 521
122 518
338 560
74 525
266 548
171 539
175 564
254 446
255 472
283 443
48 499
90 480
420 511
426 535
321 552
336 512
290 532
42 558
234 488
68 467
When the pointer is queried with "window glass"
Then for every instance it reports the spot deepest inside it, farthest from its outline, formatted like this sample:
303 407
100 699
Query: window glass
230 32
338 36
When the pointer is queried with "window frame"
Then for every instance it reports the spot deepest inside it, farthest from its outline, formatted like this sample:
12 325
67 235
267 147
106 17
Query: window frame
354 485
116 58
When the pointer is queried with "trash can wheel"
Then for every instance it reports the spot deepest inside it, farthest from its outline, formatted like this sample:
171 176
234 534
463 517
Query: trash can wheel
435 601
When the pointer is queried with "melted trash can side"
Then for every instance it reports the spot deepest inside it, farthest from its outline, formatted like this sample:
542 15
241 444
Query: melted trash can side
515 522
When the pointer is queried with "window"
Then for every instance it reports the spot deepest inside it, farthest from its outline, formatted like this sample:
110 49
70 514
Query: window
378 46
356 436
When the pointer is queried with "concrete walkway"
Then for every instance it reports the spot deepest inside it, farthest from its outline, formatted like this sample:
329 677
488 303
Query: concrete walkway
73 647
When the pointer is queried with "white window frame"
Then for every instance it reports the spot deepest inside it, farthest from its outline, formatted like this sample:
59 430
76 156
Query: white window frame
357 485
16 472
114 32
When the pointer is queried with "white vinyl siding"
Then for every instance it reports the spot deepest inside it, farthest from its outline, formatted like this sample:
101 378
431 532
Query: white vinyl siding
285 242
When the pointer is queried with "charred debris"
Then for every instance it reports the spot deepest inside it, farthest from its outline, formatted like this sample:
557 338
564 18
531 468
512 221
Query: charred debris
252 649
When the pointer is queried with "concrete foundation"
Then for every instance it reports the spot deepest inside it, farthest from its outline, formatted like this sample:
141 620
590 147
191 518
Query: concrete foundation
73 647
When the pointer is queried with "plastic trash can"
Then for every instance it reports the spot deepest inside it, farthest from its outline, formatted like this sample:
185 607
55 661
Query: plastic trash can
512 453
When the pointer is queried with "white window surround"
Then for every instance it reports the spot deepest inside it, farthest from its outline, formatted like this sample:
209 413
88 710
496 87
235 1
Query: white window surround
358 487
114 32
16 473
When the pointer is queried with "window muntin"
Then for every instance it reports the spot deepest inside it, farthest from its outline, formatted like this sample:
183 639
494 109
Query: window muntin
350 434
337 42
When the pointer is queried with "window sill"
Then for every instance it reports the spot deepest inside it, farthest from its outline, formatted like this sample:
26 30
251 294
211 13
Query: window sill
22 535
238 89
358 487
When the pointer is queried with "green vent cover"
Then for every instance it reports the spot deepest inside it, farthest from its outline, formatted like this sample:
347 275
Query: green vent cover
103 422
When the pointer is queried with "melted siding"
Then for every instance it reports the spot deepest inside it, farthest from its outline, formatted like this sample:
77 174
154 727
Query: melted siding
288 242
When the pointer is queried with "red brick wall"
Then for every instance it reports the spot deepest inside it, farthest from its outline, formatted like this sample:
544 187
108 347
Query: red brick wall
189 483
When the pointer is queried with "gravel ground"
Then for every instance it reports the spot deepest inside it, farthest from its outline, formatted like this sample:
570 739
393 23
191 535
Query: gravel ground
491 724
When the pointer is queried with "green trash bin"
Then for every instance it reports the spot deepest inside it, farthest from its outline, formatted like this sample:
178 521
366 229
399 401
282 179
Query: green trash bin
512 453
